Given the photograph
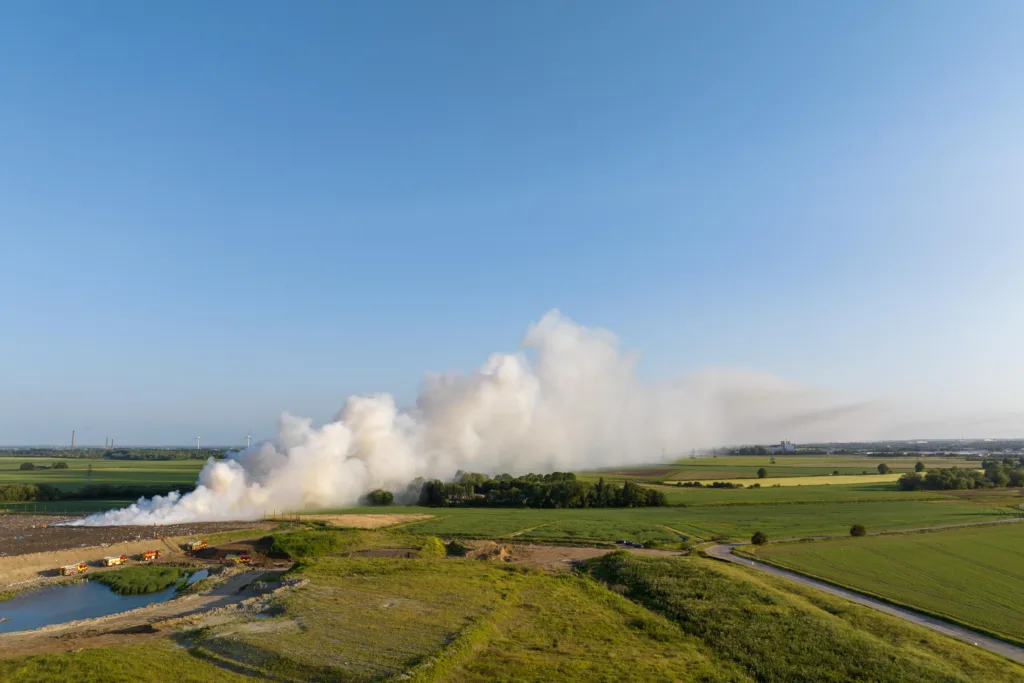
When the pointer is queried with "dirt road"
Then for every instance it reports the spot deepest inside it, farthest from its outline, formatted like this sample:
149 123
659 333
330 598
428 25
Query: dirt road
724 552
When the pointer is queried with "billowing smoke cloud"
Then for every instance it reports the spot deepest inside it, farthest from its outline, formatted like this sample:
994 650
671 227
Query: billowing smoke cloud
569 400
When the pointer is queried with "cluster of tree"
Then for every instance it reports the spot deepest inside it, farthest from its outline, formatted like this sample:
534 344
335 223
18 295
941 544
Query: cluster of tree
557 490
380 497
712 485
61 465
750 450
163 453
28 493
997 473
115 453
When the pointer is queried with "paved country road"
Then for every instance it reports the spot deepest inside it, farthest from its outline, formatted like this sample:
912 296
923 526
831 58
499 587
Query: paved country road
724 552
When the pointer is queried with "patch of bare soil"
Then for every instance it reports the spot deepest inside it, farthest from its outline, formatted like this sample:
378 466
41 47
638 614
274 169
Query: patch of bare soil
26 570
26 534
369 521
552 558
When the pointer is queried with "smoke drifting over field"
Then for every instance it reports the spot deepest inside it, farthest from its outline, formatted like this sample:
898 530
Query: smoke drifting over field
574 402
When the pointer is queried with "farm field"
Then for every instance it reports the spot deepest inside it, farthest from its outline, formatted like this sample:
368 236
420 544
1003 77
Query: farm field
745 467
666 524
812 480
116 472
971 575
835 493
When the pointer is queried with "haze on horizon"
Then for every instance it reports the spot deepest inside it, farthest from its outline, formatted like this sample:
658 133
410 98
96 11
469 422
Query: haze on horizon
204 224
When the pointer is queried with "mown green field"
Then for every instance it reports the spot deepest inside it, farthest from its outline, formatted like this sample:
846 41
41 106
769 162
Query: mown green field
169 472
666 524
972 575
839 493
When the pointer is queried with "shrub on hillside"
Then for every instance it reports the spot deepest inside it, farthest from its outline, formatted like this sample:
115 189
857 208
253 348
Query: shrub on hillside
884 469
762 473
303 544
919 467
433 549
61 465
456 549
858 530
142 579
759 538
27 466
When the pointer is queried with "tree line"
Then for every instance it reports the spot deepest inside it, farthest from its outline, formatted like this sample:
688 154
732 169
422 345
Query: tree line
30 493
556 490
996 473
116 453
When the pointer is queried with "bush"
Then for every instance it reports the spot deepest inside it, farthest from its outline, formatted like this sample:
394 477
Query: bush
433 549
858 530
456 549
144 579
919 467
303 544
884 469
61 465
27 466
835 472
759 538
380 497
762 473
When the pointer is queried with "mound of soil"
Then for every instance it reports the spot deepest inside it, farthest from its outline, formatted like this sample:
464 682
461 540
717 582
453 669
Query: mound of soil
494 552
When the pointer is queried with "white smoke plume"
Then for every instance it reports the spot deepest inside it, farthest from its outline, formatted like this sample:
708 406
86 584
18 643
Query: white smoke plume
569 400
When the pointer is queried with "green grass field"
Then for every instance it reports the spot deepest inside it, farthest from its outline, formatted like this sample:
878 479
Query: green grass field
169 472
667 523
971 575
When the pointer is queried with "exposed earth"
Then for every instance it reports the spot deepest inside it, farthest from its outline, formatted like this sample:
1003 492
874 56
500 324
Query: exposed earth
25 534
365 521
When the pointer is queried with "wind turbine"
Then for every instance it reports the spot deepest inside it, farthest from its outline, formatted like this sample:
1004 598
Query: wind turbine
197 443
248 439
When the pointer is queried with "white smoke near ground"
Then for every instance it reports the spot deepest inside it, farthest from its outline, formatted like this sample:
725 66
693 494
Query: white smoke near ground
569 400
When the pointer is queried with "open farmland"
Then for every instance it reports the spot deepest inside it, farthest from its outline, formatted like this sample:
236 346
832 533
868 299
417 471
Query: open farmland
666 524
812 480
768 494
115 472
722 468
971 575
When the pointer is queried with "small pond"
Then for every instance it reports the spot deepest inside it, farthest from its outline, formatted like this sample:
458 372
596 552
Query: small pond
71 602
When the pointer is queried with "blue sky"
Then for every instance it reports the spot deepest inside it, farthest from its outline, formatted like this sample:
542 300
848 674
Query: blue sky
210 213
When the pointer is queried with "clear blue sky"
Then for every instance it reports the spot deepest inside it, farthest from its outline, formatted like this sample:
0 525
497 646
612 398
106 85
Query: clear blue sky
212 212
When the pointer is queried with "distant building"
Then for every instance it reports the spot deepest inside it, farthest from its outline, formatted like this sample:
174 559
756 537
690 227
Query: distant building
784 447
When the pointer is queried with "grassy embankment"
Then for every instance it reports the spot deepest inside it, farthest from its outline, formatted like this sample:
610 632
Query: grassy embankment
776 631
158 660
971 576
141 579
